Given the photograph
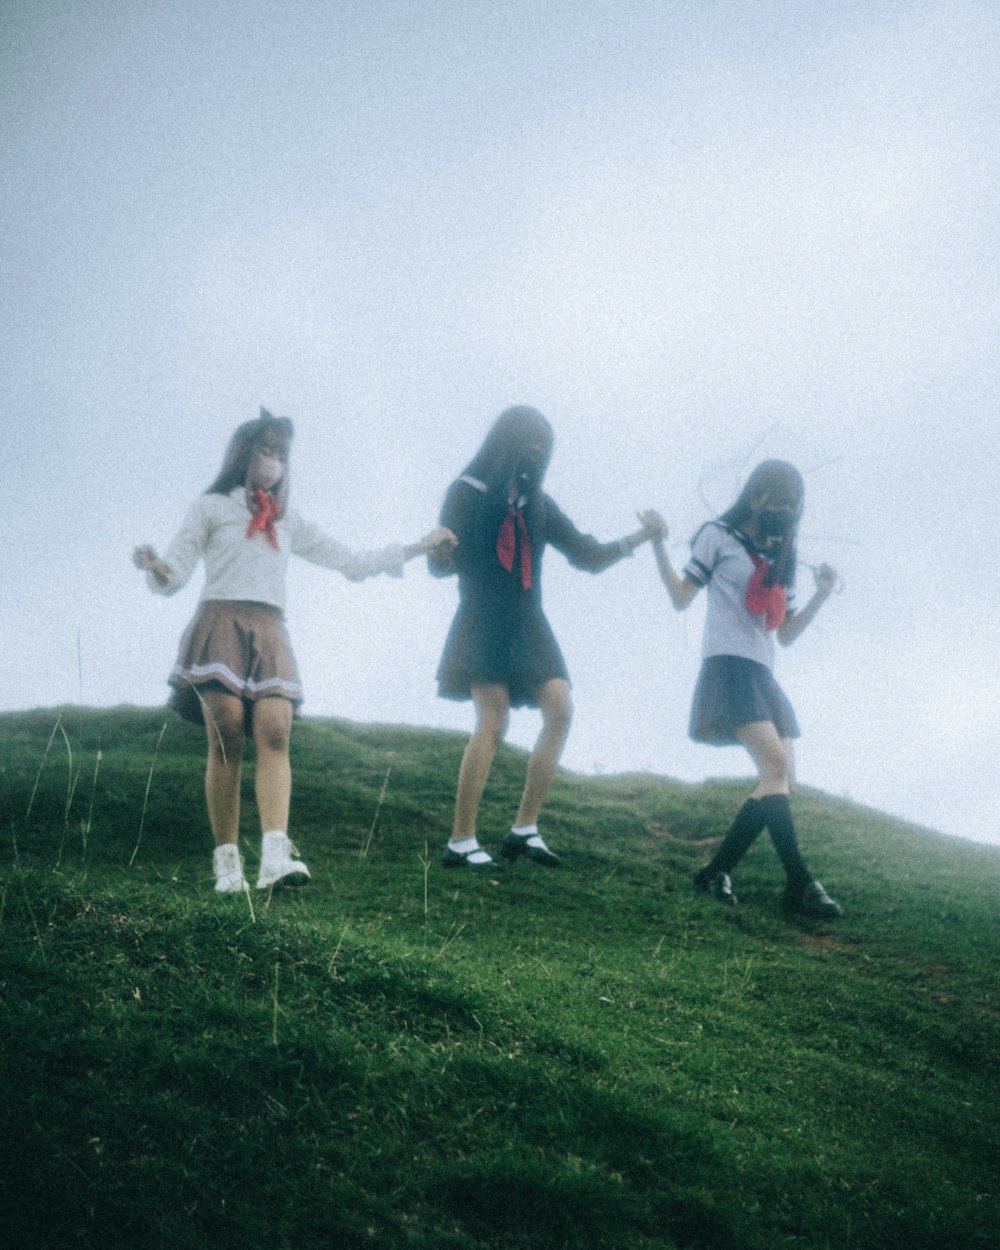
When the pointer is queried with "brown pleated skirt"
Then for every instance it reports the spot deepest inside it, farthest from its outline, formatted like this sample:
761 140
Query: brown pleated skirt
237 646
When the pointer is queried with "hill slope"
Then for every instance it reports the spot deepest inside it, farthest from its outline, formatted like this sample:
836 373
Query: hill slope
402 1056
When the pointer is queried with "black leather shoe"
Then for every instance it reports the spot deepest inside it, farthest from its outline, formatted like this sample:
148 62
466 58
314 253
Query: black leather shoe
464 859
811 900
514 844
717 884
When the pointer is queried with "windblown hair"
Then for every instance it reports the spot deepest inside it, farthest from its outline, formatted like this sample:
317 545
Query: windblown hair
502 455
782 484
245 441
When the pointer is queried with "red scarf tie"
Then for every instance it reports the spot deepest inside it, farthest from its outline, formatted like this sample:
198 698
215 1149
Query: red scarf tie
507 544
771 602
266 512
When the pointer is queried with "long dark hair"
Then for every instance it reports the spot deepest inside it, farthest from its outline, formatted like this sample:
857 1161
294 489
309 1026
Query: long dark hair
244 442
782 483
505 456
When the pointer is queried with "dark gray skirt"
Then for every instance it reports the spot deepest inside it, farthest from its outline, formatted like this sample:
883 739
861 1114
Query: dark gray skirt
732 691
513 649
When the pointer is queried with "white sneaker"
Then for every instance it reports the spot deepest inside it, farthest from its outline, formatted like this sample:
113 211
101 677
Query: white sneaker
228 868
277 863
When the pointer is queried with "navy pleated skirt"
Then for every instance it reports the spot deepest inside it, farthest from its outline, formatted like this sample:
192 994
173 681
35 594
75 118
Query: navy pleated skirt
732 691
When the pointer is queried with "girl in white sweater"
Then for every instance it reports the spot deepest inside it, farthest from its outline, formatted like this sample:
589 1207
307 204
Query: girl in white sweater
236 672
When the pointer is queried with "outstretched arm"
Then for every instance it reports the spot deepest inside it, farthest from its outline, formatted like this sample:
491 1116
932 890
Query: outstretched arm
166 576
792 626
681 589
583 550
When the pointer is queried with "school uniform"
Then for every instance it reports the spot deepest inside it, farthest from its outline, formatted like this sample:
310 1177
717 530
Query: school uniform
500 633
736 684
238 640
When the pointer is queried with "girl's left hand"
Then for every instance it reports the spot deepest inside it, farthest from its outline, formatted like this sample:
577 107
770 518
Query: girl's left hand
826 579
440 541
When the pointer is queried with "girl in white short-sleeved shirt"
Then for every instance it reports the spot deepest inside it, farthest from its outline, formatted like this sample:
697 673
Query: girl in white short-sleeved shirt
746 561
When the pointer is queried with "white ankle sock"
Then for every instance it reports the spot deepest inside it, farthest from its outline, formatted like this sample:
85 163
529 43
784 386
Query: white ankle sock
530 834
464 845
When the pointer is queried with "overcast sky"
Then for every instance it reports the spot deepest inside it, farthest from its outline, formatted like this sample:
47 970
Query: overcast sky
694 233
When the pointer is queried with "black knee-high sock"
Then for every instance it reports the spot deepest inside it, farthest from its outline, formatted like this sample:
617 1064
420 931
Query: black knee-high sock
778 818
750 820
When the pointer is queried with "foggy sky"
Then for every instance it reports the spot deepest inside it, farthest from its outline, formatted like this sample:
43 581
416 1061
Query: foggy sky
692 234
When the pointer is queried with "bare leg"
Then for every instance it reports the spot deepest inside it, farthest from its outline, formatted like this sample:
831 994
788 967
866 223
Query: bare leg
492 704
224 727
272 726
789 745
556 706
772 757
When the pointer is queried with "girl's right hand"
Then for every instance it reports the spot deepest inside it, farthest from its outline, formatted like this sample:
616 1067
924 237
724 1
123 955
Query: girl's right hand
145 558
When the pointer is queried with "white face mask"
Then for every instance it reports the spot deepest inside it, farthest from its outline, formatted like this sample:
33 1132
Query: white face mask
269 471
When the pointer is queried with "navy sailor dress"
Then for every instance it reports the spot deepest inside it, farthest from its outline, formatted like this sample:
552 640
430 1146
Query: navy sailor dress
500 633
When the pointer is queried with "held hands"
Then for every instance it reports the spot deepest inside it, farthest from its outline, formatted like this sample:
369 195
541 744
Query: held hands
653 525
439 542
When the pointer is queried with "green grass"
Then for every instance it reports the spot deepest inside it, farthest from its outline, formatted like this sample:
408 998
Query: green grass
401 1056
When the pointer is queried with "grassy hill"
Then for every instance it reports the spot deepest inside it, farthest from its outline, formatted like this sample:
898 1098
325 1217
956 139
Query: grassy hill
401 1056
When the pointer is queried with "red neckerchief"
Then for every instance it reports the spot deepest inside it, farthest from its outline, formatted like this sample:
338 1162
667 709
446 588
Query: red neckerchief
771 602
507 544
266 511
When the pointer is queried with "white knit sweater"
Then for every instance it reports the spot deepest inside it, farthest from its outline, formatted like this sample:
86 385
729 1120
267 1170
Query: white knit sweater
237 567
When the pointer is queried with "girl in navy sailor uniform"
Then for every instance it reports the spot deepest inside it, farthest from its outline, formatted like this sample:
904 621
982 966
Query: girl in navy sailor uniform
746 559
500 651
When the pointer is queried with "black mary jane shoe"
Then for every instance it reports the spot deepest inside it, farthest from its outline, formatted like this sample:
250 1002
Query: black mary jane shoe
515 844
717 885
811 900
463 859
